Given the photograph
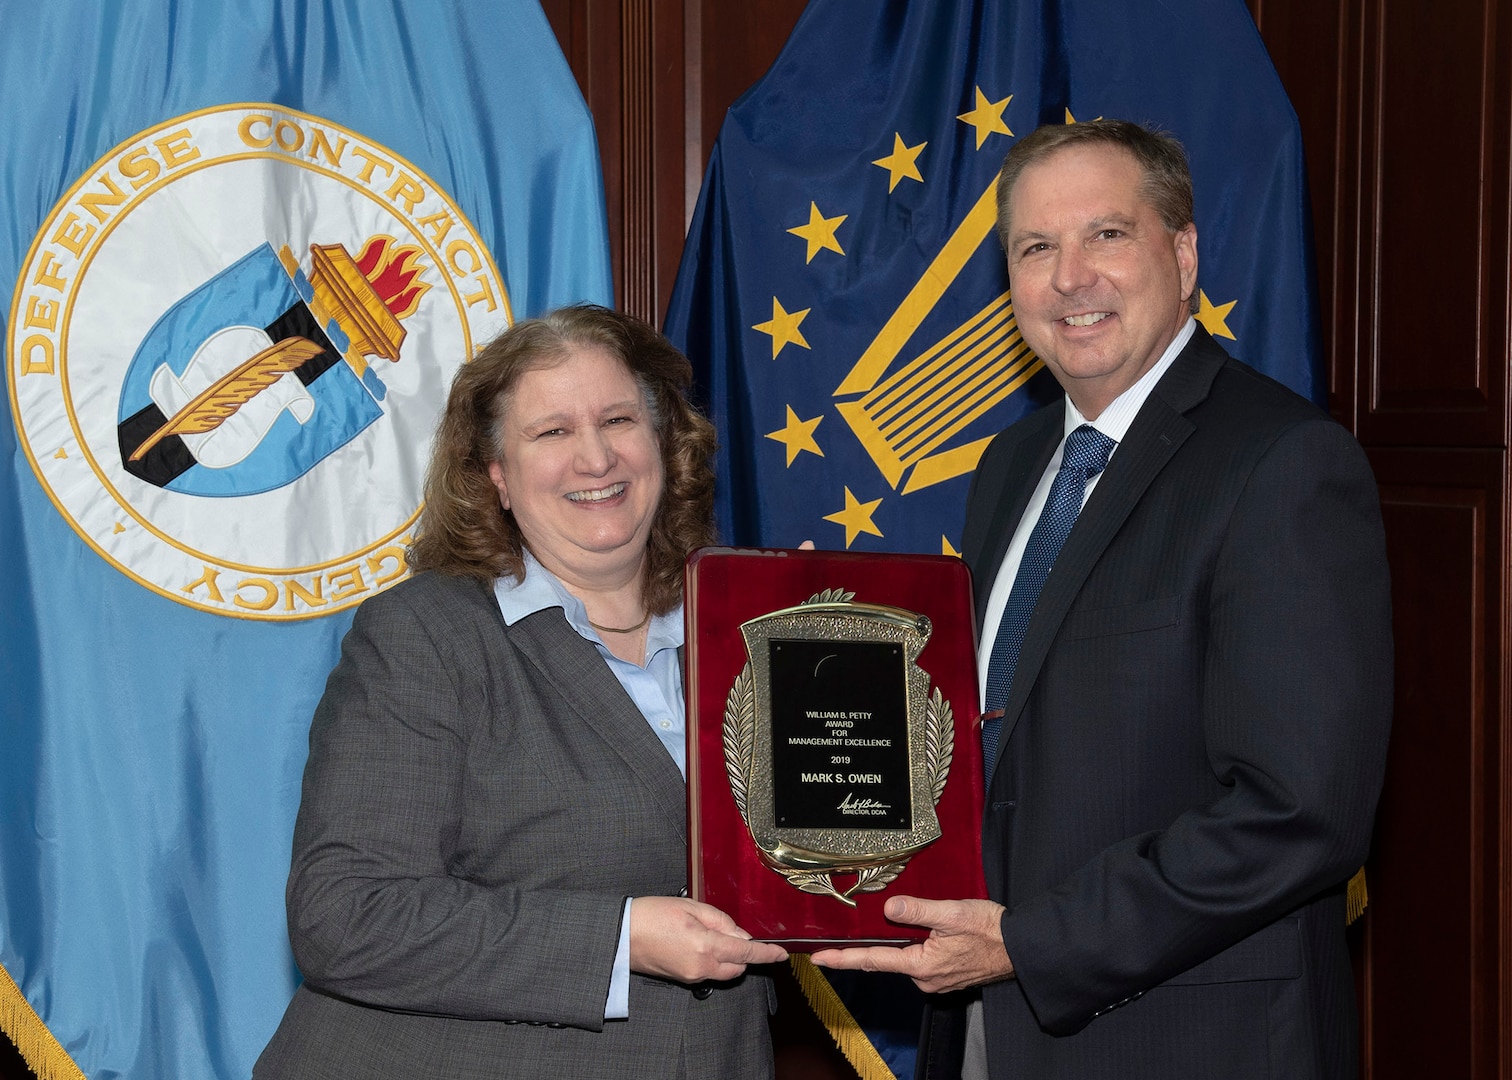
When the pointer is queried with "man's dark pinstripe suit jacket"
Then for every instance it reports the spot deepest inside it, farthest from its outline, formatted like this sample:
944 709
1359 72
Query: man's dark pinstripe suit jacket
1194 743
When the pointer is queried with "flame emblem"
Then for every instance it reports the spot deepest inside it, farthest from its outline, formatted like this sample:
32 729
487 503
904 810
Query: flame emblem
390 267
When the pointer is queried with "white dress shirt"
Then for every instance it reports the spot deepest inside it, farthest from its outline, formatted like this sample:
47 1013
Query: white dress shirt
1114 423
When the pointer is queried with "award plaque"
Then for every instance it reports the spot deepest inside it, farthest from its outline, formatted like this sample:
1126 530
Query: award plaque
834 752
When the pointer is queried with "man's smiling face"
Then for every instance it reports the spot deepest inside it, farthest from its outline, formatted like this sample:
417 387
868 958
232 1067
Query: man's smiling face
1100 286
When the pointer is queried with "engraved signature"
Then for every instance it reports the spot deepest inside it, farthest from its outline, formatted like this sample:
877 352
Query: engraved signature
851 805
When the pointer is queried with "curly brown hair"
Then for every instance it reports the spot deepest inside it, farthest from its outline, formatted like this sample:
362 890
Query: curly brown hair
463 529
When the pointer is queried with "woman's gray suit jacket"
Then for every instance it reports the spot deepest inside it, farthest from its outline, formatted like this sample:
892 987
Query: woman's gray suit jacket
479 801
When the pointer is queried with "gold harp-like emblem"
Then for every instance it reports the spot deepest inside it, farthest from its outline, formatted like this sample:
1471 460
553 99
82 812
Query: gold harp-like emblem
906 417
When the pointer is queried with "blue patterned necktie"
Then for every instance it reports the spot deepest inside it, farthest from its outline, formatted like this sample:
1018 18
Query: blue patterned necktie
1086 454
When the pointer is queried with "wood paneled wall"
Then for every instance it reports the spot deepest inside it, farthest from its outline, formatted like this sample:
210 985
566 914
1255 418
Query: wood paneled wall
1406 109
1406 113
658 76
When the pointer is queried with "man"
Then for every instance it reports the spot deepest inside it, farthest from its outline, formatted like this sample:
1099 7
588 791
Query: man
1194 677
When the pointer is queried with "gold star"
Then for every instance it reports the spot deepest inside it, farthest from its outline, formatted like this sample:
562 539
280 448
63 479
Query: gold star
903 161
987 117
819 232
119 528
1212 316
946 548
783 327
1071 119
798 436
856 517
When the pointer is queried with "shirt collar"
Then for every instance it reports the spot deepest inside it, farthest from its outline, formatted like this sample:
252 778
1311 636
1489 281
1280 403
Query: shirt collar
1115 420
538 589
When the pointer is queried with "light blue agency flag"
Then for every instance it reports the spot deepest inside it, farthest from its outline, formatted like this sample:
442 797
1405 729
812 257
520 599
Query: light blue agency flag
843 296
246 246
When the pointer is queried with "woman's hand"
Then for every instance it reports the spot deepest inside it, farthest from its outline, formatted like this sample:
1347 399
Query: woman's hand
676 938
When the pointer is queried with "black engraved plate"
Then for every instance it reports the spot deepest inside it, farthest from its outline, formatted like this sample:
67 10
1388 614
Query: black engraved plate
839 735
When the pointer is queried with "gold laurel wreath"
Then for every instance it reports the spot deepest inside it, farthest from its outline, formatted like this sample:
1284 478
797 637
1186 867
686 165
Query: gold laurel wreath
739 731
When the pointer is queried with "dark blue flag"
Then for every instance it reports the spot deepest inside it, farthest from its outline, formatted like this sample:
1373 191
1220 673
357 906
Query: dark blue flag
843 296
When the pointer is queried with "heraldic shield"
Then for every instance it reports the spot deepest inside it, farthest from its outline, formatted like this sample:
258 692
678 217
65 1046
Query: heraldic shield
249 381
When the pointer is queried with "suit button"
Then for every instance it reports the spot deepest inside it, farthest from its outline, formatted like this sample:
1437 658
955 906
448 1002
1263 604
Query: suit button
702 991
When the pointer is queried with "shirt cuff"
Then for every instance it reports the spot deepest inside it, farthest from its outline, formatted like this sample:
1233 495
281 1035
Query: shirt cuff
618 1005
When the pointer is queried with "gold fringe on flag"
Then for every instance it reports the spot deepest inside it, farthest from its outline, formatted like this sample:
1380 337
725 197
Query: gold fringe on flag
1355 897
25 1028
833 1014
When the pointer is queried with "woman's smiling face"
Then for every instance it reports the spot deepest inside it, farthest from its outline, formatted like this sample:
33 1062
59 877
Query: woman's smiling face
581 467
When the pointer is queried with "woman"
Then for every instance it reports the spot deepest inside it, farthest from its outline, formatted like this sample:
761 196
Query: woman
491 837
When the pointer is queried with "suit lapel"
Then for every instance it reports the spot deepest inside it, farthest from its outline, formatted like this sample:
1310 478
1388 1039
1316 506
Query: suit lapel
576 671
1160 427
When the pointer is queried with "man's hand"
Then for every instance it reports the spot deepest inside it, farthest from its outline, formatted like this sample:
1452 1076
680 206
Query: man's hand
675 938
964 947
